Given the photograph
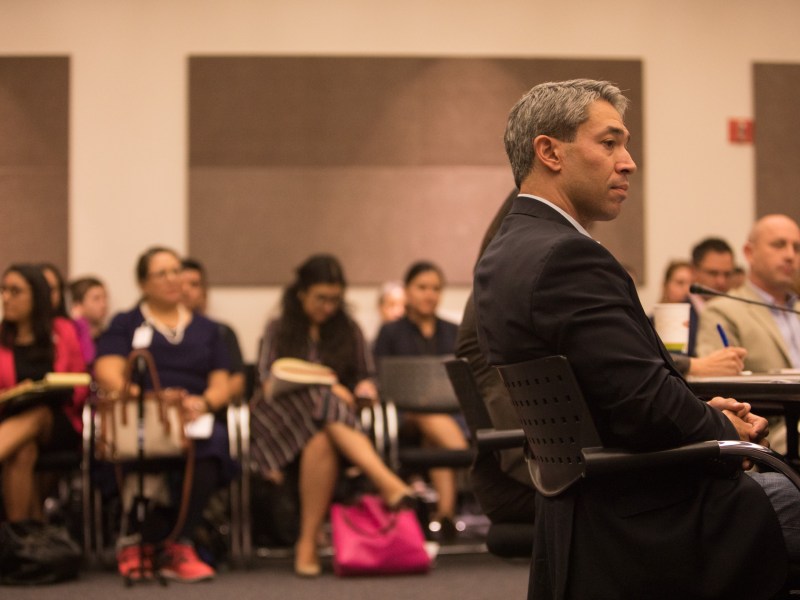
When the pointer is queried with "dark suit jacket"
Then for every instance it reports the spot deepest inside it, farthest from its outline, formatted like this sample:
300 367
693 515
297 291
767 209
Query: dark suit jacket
542 288
500 480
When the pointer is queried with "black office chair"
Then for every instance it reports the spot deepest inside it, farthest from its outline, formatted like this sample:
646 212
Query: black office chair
565 447
417 384
508 540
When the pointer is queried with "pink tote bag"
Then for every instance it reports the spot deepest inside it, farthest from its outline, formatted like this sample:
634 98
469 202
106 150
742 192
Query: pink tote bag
369 539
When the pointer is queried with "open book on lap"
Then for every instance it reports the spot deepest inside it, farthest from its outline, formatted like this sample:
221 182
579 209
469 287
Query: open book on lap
52 382
289 374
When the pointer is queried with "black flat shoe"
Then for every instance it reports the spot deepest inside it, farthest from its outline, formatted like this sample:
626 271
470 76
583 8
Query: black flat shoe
406 501
448 531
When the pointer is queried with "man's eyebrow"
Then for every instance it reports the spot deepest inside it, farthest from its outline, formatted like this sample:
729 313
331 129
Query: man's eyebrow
618 131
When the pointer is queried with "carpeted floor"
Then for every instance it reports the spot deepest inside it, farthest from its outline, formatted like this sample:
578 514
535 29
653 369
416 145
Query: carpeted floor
462 577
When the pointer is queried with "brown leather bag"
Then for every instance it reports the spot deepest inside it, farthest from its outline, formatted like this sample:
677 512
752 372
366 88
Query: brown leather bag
164 434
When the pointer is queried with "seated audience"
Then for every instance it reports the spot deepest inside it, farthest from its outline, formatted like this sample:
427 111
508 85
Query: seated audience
191 358
316 424
32 343
88 309
422 332
194 290
772 337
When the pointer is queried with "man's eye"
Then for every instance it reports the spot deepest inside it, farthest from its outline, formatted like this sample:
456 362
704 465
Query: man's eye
608 143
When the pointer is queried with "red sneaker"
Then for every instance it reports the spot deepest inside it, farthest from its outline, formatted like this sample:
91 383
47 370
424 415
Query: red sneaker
129 561
181 563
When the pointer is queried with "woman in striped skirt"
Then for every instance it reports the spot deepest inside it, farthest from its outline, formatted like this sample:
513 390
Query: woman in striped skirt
316 424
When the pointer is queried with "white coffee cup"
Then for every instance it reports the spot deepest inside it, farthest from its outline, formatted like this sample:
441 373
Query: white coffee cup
672 325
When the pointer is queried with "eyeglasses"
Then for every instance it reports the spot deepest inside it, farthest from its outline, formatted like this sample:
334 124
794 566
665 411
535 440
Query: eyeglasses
321 299
163 274
12 290
716 274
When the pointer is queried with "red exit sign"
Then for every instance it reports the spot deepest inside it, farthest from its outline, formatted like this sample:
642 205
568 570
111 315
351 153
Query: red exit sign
740 131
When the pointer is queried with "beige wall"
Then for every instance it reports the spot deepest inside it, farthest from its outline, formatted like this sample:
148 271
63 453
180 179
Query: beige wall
128 145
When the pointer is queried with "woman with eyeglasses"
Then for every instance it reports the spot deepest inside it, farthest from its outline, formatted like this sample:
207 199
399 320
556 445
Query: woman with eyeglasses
309 428
191 359
33 343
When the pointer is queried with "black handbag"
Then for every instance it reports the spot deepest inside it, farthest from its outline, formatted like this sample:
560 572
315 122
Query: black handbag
32 553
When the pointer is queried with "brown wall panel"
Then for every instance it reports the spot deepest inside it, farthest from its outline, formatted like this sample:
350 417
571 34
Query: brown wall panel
34 135
379 160
776 90
33 227
291 213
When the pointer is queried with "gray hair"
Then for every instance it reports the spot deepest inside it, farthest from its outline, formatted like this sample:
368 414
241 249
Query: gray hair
555 108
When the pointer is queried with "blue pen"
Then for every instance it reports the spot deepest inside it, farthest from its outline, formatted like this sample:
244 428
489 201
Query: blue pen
722 335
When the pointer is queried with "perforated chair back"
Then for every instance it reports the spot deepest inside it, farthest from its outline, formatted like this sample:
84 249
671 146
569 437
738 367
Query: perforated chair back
555 418
417 383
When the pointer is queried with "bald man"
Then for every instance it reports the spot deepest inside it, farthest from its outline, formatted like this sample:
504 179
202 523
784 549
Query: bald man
771 337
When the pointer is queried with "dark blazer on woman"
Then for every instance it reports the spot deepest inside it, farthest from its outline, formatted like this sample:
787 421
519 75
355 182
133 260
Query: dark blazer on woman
543 288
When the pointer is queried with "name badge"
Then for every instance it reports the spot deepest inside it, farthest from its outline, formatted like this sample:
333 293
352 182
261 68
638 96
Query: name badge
142 337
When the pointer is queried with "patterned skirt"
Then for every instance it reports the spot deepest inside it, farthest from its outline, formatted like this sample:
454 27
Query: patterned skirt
280 427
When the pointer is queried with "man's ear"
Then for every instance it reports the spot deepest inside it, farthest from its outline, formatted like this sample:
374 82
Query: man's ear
748 250
547 151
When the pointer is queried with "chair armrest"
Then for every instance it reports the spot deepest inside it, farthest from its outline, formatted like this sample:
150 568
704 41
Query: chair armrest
499 439
599 462
246 541
762 455
609 461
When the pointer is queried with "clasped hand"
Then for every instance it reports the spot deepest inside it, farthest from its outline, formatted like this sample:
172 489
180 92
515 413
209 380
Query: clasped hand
749 426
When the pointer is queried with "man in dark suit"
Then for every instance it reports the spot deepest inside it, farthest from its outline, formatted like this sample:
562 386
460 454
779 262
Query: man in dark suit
545 287
712 266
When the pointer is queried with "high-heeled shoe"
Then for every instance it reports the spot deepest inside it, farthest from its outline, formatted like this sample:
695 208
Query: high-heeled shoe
306 570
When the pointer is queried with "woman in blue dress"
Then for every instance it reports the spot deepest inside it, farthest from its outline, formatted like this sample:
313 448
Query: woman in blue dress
191 358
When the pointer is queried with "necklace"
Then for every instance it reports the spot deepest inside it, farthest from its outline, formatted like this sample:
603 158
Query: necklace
174 335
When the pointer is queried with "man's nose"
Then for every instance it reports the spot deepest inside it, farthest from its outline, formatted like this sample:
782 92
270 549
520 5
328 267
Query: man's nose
626 164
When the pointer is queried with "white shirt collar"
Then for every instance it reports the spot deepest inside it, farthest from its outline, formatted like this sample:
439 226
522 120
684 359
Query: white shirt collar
561 211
